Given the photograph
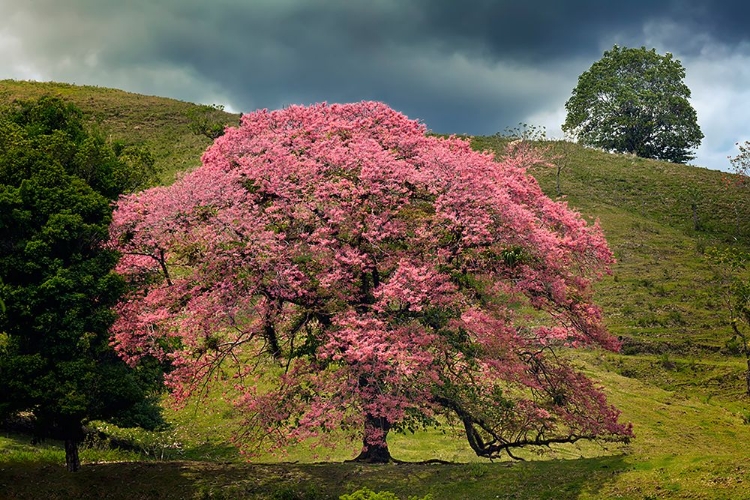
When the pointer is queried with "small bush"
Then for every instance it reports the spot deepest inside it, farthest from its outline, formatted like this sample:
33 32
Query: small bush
368 494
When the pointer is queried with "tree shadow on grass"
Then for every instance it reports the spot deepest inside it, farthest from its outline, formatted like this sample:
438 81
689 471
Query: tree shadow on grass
551 479
131 480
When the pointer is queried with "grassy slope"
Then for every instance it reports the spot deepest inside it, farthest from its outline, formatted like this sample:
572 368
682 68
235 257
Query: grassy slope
660 293
158 123
682 393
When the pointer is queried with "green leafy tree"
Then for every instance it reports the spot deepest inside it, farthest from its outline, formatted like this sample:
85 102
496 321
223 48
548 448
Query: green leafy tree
635 101
56 187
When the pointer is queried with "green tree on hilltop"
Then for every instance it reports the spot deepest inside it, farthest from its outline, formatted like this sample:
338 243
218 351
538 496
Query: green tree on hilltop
635 101
57 183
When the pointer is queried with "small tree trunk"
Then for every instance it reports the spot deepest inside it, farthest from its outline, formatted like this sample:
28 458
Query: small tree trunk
72 462
375 453
747 377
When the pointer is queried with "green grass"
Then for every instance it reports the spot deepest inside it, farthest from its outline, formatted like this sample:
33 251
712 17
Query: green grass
160 124
687 445
675 380
550 479
661 295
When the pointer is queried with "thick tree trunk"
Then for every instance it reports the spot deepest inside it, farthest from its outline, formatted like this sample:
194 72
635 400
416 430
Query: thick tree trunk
72 462
375 453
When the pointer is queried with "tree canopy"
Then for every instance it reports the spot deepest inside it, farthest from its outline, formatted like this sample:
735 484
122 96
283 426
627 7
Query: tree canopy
57 183
635 101
358 276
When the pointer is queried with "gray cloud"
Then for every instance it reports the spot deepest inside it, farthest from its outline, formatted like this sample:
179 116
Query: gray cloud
466 67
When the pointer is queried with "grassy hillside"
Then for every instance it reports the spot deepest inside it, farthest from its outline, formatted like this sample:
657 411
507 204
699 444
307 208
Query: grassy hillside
675 380
160 124
661 294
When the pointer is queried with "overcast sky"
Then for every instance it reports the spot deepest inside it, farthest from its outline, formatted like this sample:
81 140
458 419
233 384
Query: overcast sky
460 66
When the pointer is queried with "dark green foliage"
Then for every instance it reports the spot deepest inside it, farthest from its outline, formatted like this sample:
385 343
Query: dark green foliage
635 101
57 183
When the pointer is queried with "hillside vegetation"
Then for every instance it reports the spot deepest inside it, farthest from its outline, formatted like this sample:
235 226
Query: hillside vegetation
162 125
661 293
676 379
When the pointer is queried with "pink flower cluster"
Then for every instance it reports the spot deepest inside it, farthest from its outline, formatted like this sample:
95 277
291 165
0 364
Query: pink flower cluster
361 269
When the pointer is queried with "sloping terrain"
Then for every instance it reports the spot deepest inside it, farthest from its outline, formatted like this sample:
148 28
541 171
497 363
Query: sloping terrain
676 378
661 295
160 124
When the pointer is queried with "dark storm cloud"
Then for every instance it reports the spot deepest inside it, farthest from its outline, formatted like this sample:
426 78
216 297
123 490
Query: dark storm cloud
470 66
340 51
542 30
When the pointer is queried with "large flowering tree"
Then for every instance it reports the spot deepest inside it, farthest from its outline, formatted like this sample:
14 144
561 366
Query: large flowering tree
358 275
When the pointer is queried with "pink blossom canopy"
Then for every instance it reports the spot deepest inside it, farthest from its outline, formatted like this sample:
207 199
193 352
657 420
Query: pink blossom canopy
357 274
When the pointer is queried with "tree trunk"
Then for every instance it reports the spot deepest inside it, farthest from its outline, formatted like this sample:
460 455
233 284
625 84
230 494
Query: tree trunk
747 377
72 462
375 453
